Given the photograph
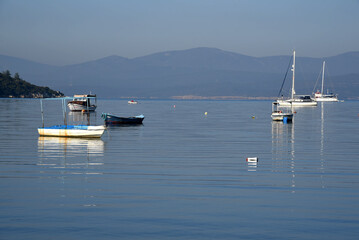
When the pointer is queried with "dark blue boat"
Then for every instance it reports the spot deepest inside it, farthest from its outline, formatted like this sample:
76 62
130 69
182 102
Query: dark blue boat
112 119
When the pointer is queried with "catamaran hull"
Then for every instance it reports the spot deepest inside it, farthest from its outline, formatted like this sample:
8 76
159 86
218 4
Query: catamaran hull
90 132
297 103
327 100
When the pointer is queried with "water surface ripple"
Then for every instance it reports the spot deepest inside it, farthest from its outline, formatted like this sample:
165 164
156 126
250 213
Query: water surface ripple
182 174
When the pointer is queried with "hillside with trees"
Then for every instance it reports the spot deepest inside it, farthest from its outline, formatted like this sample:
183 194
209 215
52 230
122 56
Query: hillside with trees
18 88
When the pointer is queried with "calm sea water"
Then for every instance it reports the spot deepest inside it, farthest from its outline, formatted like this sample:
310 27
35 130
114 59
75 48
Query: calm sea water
182 174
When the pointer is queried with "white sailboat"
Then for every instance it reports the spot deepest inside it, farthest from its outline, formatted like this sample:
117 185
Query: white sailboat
296 100
319 96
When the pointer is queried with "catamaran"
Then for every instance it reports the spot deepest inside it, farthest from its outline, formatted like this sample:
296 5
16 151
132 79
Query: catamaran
319 96
296 100
66 130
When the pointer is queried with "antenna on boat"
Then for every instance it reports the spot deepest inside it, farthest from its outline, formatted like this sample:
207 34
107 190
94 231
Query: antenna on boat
323 77
64 110
42 113
293 70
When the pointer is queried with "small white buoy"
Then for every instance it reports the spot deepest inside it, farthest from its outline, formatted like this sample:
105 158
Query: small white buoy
252 159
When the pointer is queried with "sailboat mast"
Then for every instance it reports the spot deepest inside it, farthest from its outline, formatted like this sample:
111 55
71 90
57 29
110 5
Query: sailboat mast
293 70
323 78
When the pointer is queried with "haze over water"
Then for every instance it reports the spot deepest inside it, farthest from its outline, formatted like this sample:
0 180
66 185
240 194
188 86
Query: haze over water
182 174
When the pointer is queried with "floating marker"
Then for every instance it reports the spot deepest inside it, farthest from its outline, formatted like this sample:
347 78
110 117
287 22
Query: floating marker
252 159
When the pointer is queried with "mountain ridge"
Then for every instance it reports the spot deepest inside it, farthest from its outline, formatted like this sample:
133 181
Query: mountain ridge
197 71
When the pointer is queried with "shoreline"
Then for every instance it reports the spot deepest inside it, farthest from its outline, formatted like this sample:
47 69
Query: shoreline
194 97
184 97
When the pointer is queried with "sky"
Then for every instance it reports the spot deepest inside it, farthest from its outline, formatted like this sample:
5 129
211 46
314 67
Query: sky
63 32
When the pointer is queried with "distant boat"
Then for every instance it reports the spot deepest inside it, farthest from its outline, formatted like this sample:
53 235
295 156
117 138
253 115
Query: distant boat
114 120
319 96
69 130
296 100
132 102
281 114
82 103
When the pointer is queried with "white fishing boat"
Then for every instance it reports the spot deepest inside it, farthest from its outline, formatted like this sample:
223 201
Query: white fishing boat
66 130
278 114
296 100
319 96
82 103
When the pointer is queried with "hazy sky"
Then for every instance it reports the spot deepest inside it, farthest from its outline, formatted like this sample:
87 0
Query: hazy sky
61 32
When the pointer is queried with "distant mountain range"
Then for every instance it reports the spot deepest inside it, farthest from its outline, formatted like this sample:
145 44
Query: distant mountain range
199 72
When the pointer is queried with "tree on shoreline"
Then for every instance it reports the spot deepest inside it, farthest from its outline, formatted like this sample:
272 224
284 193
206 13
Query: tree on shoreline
18 88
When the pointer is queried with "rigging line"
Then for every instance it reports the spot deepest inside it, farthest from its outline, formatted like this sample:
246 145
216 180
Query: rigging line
316 83
281 88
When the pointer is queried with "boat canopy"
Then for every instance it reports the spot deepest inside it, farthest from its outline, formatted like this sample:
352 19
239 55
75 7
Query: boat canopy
63 99
70 98
85 96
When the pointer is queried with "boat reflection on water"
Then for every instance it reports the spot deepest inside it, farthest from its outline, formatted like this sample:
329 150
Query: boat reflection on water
282 139
252 166
85 118
283 150
322 156
70 153
322 131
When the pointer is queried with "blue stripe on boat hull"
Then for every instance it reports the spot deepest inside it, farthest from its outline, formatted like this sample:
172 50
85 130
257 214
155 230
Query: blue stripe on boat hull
84 127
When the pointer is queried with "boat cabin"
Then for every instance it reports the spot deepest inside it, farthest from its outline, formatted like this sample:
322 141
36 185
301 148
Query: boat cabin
82 103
